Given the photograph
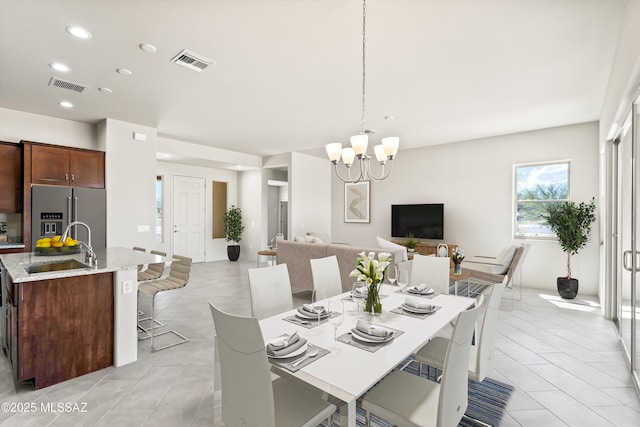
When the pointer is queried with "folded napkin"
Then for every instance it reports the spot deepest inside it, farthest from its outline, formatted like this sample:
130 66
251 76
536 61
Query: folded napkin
308 309
285 344
422 288
417 303
369 328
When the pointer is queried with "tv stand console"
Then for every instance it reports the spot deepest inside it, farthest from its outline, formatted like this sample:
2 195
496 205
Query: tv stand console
430 248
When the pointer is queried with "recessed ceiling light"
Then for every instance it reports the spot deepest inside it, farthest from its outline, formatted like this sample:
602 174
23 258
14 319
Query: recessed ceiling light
124 71
65 104
105 90
148 47
79 32
59 66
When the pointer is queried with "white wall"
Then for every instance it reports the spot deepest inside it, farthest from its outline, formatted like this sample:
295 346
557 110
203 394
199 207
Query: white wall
19 125
474 181
252 187
131 183
215 249
310 201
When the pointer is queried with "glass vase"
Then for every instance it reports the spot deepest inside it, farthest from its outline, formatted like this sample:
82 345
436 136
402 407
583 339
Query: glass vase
372 304
457 269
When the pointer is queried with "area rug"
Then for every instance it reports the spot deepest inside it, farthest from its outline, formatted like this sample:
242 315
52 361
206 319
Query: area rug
475 289
487 400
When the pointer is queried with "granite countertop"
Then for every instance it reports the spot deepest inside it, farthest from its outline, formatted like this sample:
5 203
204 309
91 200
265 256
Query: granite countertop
11 245
109 260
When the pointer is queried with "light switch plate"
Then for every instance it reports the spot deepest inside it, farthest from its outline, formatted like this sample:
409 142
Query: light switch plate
127 287
144 228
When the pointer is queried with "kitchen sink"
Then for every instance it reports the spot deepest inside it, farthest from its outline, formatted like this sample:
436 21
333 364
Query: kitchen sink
46 267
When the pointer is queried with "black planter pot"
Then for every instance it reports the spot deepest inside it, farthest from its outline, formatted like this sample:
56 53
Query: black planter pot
567 288
233 252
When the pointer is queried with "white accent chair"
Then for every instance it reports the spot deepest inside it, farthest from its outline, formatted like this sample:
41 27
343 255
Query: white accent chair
481 357
249 397
270 291
326 274
405 399
434 271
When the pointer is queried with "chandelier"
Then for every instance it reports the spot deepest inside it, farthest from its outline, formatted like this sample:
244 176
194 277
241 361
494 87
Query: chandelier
384 152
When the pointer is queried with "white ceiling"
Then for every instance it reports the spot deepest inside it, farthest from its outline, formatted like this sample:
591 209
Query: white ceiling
288 73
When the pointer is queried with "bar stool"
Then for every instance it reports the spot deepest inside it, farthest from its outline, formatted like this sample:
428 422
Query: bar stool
178 278
153 271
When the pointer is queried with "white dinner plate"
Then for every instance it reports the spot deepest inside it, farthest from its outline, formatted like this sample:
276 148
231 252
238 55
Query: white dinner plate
417 310
298 352
361 338
428 291
310 316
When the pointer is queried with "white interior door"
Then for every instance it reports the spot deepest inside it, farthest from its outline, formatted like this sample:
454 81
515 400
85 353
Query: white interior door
189 217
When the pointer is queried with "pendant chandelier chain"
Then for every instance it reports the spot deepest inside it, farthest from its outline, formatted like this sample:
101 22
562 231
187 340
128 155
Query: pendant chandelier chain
364 68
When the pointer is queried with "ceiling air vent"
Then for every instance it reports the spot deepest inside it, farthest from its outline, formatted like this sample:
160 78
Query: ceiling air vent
63 84
192 60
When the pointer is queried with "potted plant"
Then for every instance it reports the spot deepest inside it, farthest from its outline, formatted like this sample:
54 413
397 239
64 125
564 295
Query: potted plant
411 242
571 223
233 229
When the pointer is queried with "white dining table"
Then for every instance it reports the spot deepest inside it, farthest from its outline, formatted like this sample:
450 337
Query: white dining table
347 372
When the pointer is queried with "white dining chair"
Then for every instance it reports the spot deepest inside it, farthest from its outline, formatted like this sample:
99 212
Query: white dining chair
402 398
270 290
481 357
249 397
434 271
326 274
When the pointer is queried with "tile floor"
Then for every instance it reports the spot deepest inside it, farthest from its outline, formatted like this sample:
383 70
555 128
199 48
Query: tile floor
563 359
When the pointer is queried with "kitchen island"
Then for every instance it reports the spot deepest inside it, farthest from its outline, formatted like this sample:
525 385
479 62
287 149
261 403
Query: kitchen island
64 323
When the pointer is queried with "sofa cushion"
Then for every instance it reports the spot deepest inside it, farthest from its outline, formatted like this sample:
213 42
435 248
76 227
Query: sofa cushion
324 237
504 260
393 247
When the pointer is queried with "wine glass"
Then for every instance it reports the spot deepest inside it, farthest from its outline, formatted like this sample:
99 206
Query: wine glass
392 273
403 278
358 295
336 308
319 301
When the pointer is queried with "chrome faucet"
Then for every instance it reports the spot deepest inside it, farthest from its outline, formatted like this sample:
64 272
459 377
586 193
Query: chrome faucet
90 256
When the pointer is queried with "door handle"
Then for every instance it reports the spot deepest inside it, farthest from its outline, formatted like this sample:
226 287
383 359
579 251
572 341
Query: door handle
627 255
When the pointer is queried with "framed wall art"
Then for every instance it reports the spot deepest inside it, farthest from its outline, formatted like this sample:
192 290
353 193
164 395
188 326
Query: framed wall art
356 202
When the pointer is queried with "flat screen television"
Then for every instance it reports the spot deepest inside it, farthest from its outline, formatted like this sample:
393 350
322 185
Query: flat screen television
425 221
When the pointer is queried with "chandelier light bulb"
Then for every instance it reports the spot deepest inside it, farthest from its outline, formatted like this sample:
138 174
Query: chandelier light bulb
348 154
359 144
381 156
390 145
333 151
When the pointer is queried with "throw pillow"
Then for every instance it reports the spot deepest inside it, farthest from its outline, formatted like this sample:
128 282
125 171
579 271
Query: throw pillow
393 247
505 262
299 239
324 237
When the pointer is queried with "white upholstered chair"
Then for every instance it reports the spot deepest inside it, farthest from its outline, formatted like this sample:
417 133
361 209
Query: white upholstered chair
249 397
406 399
434 271
326 274
270 290
481 357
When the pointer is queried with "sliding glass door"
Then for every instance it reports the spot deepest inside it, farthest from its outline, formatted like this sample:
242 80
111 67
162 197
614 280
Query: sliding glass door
627 236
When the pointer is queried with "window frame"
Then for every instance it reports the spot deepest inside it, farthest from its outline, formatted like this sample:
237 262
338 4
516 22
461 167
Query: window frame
516 202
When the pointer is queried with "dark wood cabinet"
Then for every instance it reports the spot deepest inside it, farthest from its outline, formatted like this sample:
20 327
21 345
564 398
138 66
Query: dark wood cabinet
64 328
10 177
51 165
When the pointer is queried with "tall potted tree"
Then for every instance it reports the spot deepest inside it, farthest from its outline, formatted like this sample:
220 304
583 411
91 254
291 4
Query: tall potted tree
233 229
571 222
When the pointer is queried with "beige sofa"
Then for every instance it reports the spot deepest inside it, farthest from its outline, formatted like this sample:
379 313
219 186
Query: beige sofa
297 255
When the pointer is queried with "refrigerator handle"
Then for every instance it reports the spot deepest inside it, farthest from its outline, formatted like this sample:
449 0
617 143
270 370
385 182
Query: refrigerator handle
75 208
69 219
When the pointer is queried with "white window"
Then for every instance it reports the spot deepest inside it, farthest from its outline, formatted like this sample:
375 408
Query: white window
535 187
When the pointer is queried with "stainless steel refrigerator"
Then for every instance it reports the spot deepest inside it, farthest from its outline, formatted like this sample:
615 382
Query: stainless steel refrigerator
53 208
